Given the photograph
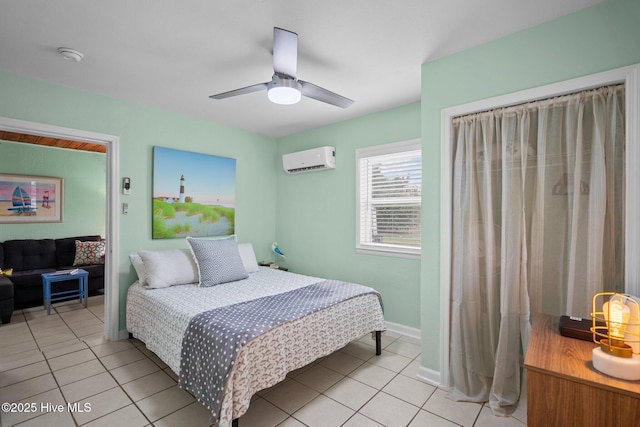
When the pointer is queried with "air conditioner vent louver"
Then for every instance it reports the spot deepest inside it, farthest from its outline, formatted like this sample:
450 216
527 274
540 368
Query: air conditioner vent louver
309 160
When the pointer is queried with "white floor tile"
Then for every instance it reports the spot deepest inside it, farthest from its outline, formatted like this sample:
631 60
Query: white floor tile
58 419
23 373
290 396
52 397
424 418
88 330
48 340
21 347
373 375
194 415
111 347
389 411
70 359
351 393
487 419
409 389
319 378
412 369
162 404
359 420
78 372
262 414
391 361
462 413
63 347
101 404
21 359
404 348
15 333
350 388
135 370
359 350
128 416
291 422
341 362
323 412
148 385
88 387
122 358
18 391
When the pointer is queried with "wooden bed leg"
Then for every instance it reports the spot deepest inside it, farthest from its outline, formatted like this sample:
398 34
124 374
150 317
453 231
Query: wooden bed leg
378 343
130 336
234 423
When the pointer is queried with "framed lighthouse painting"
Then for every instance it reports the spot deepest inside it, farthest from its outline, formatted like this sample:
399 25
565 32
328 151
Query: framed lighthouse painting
28 199
193 194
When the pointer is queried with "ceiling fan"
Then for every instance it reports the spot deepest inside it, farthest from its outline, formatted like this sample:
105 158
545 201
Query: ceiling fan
284 87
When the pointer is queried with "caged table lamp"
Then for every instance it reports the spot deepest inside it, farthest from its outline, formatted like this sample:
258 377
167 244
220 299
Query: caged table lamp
618 353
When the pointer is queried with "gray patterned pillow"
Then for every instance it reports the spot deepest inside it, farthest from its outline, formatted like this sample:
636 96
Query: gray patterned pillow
218 260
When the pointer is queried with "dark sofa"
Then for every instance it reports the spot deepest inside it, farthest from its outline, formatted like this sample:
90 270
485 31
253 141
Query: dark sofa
29 258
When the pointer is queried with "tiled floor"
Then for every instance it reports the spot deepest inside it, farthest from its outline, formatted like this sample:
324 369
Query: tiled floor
47 362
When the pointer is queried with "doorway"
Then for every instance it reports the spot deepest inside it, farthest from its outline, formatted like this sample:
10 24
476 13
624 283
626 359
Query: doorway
111 288
630 77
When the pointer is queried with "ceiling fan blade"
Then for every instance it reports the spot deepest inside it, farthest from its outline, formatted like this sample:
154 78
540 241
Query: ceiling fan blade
316 92
241 91
285 52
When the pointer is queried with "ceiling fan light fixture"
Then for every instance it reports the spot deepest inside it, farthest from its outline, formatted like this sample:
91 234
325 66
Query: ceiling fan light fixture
284 91
284 95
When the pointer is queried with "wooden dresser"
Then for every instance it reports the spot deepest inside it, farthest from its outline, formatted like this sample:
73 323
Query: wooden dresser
565 390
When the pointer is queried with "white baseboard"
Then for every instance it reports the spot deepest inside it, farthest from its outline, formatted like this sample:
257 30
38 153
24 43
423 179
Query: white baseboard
404 330
429 376
123 334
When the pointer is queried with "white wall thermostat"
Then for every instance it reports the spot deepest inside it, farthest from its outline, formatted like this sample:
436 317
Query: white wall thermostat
126 185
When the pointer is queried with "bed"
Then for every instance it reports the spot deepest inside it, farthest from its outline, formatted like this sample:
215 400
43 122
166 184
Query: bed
161 317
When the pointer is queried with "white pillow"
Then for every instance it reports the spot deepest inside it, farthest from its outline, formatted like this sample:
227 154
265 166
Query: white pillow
138 265
169 268
248 257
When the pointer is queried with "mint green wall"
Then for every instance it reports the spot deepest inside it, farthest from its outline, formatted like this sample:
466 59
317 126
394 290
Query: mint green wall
85 187
599 38
316 212
139 129
315 222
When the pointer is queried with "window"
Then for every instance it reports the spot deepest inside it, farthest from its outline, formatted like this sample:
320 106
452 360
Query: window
388 192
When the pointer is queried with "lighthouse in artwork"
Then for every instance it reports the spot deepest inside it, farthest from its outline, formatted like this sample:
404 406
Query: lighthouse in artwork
181 199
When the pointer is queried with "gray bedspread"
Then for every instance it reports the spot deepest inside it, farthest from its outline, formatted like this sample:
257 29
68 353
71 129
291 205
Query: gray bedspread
214 338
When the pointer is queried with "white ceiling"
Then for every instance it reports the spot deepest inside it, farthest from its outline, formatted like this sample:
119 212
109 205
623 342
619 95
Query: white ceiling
174 54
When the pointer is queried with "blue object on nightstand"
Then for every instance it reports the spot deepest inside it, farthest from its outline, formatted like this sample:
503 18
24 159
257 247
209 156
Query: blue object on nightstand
82 292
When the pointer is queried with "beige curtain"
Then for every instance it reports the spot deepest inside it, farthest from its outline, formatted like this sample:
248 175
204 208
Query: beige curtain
538 208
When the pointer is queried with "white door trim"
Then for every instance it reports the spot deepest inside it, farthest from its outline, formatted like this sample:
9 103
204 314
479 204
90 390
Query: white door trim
112 286
630 76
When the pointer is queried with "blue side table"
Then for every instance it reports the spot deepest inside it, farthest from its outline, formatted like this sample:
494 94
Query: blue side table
82 276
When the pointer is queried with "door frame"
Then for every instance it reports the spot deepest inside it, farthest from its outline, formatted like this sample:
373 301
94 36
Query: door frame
630 76
112 261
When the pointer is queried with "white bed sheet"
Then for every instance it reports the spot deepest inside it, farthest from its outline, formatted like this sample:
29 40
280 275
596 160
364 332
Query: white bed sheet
159 318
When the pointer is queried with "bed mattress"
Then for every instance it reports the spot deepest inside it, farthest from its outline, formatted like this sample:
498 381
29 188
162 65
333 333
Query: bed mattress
159 318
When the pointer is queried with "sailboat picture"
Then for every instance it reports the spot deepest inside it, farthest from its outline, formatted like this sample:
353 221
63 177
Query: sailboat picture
22 203
25 199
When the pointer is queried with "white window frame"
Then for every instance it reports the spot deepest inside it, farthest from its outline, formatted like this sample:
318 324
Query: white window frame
386 249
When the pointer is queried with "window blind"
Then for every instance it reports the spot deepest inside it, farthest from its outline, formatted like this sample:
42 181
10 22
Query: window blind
389 198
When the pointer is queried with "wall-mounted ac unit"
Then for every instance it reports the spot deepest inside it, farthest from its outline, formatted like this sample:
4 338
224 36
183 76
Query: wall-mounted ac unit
310 160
